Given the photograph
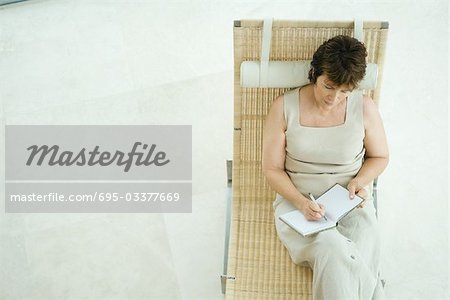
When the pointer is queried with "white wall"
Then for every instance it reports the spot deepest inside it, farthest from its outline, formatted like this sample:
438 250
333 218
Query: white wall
170 62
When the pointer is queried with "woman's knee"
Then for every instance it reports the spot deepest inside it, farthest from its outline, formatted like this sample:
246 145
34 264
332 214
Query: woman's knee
330 243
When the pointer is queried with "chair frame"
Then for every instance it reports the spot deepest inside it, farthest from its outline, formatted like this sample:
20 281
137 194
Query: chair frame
234 167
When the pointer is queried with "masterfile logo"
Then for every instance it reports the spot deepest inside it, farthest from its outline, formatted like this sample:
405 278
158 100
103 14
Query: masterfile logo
84 152
91 158
80 168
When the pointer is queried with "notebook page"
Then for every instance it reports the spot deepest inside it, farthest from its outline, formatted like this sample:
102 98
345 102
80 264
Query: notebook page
299 223
337 202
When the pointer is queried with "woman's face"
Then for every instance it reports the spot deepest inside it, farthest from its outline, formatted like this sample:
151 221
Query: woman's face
328 94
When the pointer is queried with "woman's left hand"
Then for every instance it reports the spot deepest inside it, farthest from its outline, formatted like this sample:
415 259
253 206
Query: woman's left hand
357 189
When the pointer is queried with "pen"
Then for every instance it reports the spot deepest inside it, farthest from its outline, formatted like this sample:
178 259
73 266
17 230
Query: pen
314 200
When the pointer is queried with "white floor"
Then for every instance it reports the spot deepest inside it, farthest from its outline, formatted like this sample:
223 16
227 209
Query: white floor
170 62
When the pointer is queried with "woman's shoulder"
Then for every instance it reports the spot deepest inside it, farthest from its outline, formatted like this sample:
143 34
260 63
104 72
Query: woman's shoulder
279 101
370 110
291 95
276 112
368 104
283 104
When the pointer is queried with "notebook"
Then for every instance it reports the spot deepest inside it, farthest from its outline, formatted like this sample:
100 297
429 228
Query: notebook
337 205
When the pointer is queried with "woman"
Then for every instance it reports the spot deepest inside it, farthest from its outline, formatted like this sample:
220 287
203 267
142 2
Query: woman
317 135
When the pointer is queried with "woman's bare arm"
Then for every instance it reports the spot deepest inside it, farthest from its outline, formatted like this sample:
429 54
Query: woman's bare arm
375 142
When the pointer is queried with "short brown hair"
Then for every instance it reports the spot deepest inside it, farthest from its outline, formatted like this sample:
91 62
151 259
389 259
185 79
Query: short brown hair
342 58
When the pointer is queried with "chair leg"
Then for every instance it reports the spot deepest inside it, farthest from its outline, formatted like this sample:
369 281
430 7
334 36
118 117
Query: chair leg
224 276
223 283
375 195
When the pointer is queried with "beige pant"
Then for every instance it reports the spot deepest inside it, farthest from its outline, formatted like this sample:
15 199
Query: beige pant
344 260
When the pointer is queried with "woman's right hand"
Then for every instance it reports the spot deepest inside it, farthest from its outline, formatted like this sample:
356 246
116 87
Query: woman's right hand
312 211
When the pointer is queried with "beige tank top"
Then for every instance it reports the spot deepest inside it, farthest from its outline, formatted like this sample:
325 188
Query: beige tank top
319 157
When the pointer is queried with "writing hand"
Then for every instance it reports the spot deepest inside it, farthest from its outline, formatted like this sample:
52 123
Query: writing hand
313 211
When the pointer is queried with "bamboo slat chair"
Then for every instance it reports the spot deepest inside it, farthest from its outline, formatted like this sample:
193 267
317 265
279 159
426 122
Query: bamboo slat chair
256 265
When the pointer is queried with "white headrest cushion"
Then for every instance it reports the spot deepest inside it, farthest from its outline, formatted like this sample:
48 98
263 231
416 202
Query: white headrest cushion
290 74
